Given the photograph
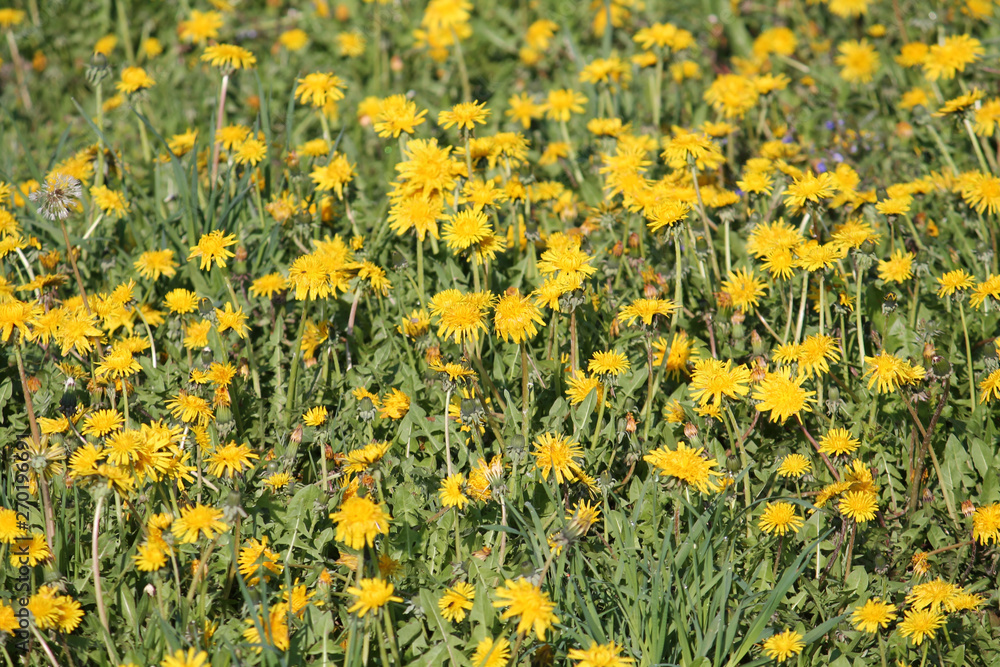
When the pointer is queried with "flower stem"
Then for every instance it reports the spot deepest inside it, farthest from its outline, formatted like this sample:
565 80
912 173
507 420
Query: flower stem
657 88
572 341
95 566
220 115
420 271
651 385
850 551
447 436
705 222
802 306
462 71
43 483
968 359
678 284
600 414
394 643
15 55
572 154
293 374
525 393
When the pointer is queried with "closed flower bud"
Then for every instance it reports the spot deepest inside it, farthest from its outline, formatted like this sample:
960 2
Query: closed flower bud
690 431
756 343
649 291
629 423
296 435
928 352
366 409
633 240
968 508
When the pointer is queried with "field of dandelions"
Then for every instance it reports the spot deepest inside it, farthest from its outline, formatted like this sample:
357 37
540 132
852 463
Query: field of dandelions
552 333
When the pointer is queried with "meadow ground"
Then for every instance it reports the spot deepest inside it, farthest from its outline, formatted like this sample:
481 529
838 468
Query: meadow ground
551 333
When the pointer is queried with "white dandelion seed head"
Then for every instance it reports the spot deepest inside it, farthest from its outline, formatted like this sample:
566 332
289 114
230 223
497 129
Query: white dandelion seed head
57 197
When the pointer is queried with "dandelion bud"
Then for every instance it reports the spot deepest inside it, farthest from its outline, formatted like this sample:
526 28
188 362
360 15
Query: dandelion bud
33 384
968 508
756 343
150 590
649 291
396 64
738 318
328 452
928 352
471 412
633 240
690 431
618 249
68 403
941 367
296 435
904 130
630 423
889 304
366 409
342 12
224 414
759 372
241 254
928 496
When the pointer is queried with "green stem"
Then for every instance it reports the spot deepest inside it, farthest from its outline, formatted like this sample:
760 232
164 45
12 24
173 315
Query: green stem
857 321
802 306
220 116
463 72
572 155
420 271
600 413
447 436
122 12
968 358
729 258
293 374
95 566
705 223
941 145
394 643
525 393
657 88
975 145
678 284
